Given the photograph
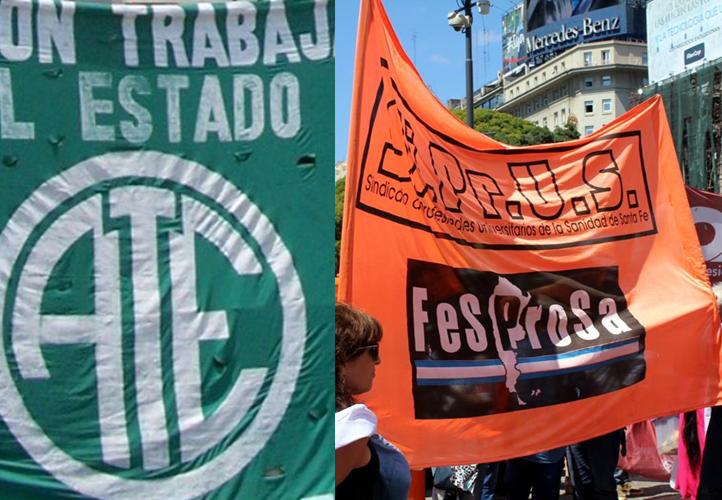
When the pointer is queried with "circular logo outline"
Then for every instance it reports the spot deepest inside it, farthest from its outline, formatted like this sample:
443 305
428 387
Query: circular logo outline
232 460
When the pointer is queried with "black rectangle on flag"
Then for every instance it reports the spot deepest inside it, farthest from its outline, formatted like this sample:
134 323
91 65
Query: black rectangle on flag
483 343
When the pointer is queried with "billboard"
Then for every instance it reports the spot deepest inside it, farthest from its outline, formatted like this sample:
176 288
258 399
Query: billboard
540 13
555 26
682 36
513 49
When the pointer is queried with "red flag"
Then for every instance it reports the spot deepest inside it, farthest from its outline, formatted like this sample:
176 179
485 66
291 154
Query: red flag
707 214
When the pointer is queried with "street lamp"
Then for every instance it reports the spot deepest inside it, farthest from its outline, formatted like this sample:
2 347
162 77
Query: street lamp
462 22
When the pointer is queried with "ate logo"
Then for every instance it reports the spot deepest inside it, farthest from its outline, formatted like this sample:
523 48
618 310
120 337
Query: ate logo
142 215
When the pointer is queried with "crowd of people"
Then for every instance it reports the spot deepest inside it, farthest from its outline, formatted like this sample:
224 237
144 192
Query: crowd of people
369 467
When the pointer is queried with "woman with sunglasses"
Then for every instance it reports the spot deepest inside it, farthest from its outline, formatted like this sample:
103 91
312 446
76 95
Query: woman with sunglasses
367 466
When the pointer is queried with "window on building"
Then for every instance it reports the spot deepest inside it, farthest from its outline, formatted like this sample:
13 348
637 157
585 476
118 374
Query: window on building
563 90
589 107
536 81
587 59
528 109
564 115
588 129
545 101
606 105
555 95
645 81
644 58
588 83
544 122
606 80
536 104
556 118
605 57
528 84
511 93
544 76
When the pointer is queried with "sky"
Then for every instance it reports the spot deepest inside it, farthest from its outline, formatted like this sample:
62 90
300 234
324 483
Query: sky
437 51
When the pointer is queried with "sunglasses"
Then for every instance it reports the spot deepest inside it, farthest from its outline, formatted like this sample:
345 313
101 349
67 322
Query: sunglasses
373 351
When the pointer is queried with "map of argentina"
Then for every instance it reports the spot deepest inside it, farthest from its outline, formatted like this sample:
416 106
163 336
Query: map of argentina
483 343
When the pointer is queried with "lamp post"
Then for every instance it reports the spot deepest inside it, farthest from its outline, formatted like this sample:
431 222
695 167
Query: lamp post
462 22
469 70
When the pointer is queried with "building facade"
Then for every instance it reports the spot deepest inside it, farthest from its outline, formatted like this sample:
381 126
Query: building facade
590 84
685 68
490 96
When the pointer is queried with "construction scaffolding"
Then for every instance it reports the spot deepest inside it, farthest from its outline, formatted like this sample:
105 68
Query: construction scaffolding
693 101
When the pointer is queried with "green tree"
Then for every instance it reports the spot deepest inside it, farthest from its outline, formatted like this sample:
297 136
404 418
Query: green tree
339 197
568 132
538 135
515 131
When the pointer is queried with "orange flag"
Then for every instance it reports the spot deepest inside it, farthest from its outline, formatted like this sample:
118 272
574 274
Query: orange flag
530 297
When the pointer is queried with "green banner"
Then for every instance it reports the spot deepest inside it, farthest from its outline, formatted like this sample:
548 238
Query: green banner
165 262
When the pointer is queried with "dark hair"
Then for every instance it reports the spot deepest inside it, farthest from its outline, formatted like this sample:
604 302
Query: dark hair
691 438
354 329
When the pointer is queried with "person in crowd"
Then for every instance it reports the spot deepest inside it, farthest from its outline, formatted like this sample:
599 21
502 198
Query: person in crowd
710 479
691 444
539 474
625 489
592 464
486 481
367 466
465 482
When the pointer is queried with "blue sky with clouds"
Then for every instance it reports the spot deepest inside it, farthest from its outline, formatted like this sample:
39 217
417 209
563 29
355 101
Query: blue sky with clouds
438 51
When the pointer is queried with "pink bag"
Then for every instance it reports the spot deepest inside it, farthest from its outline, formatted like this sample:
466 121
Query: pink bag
642 457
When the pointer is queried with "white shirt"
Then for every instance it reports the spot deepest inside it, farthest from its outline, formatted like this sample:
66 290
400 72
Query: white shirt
354 423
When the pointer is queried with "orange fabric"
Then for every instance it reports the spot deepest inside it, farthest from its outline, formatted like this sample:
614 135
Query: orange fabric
417 491
530 297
